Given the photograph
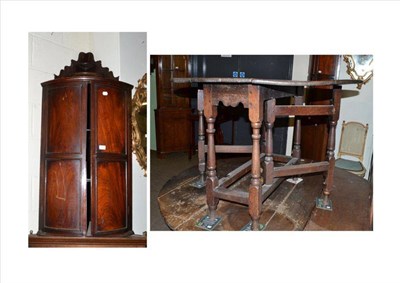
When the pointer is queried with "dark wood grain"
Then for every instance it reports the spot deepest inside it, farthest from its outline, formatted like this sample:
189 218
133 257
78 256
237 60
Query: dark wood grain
258 96
324 67
86 66
111 119
292 170
63 151
312 110
173 113
201 140
82 184
170 66
63 195
111 201
173 130
64 119
132 241
111 197
314 137
296 151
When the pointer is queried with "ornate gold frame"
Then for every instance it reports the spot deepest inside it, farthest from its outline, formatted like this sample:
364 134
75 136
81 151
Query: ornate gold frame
359 67
139 123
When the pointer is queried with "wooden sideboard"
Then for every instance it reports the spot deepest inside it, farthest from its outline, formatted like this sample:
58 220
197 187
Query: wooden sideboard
173 113
314 134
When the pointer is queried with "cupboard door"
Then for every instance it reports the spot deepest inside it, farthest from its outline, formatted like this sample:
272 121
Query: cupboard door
324 67
62 194
111 213
111 119
314 129
63 159
169 67
173 114
173 130
111 158
64 133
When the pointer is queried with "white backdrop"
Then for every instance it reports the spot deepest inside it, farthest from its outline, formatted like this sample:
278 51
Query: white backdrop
208 28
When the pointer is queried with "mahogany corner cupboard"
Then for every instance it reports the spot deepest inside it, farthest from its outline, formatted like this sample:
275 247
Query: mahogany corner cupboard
85 160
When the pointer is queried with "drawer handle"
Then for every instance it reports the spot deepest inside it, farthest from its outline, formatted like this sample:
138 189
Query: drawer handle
102 147
105 93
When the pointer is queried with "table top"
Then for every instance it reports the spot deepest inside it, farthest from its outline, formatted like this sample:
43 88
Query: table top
264 81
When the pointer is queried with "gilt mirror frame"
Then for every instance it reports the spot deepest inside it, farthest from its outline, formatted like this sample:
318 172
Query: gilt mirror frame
359 67
139 123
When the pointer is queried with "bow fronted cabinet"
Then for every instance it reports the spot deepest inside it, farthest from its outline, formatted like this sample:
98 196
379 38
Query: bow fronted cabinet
86 157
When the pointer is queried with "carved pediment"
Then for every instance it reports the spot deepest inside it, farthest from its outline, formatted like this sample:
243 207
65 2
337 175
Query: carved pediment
86 66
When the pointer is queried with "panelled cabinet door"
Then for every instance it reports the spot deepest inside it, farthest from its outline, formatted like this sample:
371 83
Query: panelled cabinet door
63 155
110 110
314 130
174 129
63 194
168 67
111 196
86 153
173 113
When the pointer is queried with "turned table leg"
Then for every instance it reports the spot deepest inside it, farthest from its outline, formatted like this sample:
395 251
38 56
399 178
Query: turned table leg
212 179
268 160
255 117
255 204
210 113
296 151
326 203
200 183
201 149
330 156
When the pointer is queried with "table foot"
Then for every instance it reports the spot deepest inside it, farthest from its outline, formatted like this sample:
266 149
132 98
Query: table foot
199 183
295 180
207 224
324 203
247 227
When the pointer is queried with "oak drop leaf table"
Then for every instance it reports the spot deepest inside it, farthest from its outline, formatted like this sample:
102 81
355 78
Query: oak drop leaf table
259 96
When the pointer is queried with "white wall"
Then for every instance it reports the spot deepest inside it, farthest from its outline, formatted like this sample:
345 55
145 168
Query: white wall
48 54
106 47
353 107
133 58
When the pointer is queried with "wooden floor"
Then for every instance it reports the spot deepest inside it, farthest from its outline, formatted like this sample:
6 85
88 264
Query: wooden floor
290 208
